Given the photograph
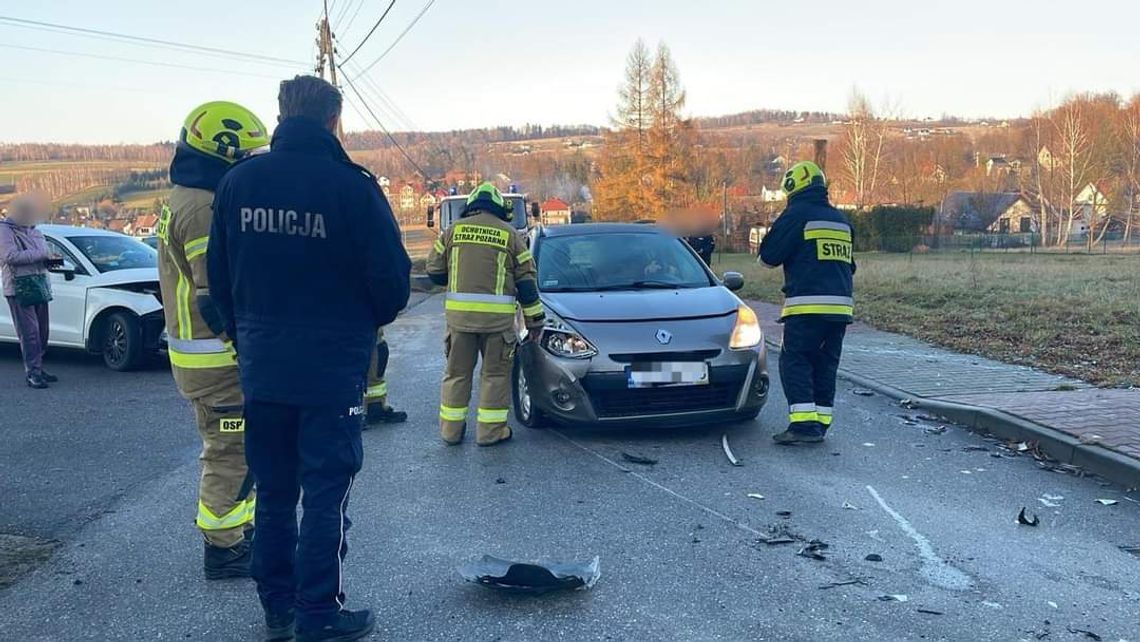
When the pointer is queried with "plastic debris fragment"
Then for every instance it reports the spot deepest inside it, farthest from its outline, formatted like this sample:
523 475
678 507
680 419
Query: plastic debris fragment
520 577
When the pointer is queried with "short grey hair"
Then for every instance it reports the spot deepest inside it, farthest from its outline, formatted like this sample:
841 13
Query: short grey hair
310 97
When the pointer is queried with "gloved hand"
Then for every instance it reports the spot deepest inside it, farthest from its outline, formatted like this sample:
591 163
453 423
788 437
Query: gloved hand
534 333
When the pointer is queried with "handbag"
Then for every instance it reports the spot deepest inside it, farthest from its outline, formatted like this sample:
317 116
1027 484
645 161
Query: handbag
30 289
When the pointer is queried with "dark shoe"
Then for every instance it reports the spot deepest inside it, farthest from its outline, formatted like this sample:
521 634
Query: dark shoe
378 414
792 436
346 626
226 563
37 381
48 377
279 625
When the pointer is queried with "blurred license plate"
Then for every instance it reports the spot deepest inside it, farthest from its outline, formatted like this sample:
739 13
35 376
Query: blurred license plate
653 375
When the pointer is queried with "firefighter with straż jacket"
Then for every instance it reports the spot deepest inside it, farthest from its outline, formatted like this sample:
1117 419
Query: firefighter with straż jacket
811 240
488 270
214 136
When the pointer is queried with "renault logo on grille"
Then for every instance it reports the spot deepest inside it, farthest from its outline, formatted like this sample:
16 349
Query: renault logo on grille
664 337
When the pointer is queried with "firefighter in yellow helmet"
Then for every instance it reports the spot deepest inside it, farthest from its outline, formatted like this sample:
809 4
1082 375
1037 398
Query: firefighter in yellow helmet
488 270
214 136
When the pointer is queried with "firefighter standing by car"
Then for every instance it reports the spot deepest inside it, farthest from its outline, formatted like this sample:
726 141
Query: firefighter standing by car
214 136
376 394
811 240
487 269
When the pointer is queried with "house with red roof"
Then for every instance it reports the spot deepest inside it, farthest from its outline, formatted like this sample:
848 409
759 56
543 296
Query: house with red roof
555 211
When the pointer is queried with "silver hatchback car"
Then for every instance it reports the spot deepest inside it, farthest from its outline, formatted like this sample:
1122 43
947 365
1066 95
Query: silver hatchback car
638 331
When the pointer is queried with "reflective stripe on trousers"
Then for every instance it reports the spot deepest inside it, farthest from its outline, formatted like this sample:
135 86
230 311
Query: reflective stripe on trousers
802 412
377 391
241 515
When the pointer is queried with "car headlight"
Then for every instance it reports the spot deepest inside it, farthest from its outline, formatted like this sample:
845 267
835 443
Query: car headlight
561 340
747 333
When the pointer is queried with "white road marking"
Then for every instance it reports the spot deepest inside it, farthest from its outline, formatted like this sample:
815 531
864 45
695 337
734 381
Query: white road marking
935 569
688 500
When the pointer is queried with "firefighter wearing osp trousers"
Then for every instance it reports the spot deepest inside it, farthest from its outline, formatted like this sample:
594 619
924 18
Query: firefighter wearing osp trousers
487 269
811 240
214 136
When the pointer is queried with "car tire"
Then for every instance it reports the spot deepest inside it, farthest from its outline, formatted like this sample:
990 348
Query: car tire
526 412
121 342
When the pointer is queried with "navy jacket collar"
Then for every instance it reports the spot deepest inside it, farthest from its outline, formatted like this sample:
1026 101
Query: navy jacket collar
195 169
815 195
307 136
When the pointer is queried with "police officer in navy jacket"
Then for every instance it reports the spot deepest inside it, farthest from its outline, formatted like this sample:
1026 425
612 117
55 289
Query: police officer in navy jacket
305 264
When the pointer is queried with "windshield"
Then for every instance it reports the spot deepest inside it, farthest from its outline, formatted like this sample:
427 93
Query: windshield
110 253
451 210
622 261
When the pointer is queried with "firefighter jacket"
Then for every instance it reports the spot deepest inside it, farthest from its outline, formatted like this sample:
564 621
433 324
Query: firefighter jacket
487 269
811 240
202 362
306 264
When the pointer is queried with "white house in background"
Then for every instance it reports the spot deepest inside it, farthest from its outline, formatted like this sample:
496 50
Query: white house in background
555 211
772 195
1091 201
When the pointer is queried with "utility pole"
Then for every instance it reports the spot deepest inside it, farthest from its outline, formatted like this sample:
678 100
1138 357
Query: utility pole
326 56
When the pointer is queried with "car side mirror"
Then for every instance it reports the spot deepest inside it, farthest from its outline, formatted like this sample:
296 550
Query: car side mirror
431 216
67 269
733 280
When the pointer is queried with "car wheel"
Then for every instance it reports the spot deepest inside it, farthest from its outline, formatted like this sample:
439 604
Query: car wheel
526 412
122 342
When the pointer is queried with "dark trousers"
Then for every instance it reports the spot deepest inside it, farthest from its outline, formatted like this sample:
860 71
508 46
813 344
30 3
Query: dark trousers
311 454
31 323
809 361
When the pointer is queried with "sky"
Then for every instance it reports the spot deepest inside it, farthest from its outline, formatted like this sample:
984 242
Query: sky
482 63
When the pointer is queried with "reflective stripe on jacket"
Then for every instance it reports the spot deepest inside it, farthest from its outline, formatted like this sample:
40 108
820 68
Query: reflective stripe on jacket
489 272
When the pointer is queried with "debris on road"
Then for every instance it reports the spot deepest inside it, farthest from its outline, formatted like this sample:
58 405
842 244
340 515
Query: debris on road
874 557
868 444
1134 550
975 449
728 451
909 404
1088 634
893 598
812 550
1026 521
1089 439
784 513
1107 502
930 612
850 506
755 495
831 585
638 459
520 577
935 430
775 540
863 392
1046 503
500 480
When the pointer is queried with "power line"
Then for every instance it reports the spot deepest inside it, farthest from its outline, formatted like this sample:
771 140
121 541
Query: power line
348 25
398 114
364 103
400 37
370 32
143 40
156 63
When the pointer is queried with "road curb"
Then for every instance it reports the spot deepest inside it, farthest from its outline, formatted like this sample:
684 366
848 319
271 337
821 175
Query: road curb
1063 447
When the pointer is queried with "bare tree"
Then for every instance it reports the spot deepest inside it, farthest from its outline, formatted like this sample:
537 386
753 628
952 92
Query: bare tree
862 147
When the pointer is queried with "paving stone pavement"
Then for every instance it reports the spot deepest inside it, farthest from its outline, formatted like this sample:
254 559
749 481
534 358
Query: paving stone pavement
1094 416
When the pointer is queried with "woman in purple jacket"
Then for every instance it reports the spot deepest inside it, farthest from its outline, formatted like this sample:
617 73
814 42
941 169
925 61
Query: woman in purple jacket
23 251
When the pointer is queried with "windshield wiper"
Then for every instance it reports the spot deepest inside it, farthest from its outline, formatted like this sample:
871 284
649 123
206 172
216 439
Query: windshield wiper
641 285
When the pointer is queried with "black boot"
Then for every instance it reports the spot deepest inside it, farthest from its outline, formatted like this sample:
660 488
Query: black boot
380 414
346 626
279 625
810 433
48 377
226 563
36 380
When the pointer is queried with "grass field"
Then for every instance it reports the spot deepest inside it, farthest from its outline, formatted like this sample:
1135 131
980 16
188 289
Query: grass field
1070 314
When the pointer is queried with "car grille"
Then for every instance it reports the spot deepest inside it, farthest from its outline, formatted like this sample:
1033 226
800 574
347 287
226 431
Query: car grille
612 398
695 355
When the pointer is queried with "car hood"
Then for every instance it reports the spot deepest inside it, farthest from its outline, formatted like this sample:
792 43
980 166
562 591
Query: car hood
119 277
642 305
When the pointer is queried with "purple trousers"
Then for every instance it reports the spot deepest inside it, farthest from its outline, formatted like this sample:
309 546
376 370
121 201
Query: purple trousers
32 328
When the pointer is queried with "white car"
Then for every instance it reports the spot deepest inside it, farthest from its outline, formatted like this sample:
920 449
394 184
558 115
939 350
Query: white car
106 298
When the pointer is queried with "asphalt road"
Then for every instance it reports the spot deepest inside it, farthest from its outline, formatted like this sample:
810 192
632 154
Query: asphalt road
677 540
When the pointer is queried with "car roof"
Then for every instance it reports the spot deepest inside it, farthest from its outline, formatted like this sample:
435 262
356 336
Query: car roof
73 230
578 229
